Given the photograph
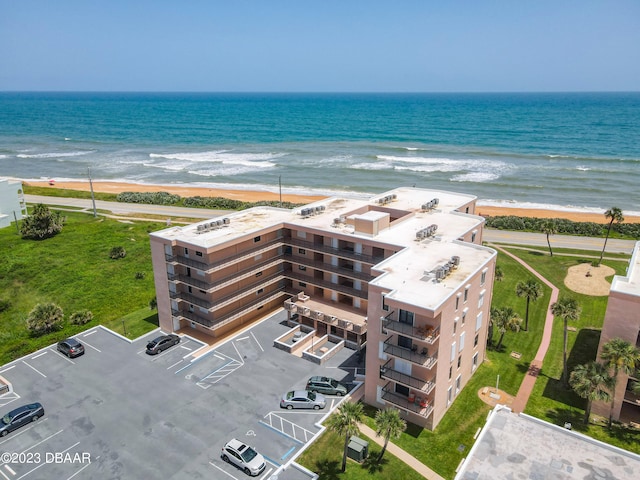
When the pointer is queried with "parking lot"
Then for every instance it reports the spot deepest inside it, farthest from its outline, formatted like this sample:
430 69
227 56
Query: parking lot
116 412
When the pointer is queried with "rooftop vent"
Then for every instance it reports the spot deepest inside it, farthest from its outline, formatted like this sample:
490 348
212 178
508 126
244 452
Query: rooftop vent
426 232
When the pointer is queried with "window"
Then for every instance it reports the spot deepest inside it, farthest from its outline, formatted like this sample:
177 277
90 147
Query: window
458 383
458 301
481 298
459 360
198 254
260 290
479 321
474 364
455 324
385 307
257 257
450 371
483 276
302 251
258 274
475 340
405 317
186 251
464 315
461 341
466 294
257 239
473 236
453 352
302 284
381 354
301 267
190 289
202 291
449 396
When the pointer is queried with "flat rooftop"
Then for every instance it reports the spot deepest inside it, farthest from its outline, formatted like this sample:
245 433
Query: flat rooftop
517 446
631 283
405 274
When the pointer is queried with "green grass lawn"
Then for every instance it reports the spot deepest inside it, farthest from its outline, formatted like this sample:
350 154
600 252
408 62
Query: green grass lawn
73 270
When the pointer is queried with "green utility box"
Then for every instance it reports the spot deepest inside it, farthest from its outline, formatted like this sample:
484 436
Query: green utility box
358 449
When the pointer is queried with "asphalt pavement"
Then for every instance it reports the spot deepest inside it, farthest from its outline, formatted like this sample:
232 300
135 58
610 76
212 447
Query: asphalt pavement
489 235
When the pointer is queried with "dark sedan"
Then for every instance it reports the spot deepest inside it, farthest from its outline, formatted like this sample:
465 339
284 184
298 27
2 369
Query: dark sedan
160 344
20 416
70 347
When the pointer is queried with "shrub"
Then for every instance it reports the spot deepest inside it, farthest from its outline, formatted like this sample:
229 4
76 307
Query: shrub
153 303
45 318
152 198
81 318
117 252
41 224
4 305
140 275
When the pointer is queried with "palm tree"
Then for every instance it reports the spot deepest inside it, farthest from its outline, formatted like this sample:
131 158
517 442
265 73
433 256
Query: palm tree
532 291
620 356
499 275
591 382
568 309
549 228
505 319
345 422
614 214
388 425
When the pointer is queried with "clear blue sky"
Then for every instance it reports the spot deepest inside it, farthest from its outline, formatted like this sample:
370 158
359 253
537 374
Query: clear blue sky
320 46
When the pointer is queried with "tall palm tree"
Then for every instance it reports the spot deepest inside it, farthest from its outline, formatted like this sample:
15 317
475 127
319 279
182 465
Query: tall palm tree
591 382
388 425
532 291
614 214
620 356
549 228
568 309
345 422
504 319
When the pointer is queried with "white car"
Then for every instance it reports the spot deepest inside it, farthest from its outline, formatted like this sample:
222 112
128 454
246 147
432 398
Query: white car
244 457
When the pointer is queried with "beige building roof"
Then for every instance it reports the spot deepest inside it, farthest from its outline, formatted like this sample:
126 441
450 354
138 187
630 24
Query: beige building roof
631 283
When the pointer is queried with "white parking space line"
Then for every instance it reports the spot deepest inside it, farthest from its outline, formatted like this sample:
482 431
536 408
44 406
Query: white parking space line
7 369
218 374
219 356
63 356
266 474
44 463
89 345
214 465
243 338
39 355
186 348
2 473
10 470
88 464
43 440
7 398
171 366
34 369
236 348
86 334
287 427
254 337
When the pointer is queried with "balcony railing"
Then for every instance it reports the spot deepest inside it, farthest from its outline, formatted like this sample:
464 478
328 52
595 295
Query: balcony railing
425 386
422 358
329 285
400 401
424 334
338 252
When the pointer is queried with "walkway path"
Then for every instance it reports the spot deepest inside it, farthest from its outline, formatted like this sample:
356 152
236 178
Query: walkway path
526 387
410 460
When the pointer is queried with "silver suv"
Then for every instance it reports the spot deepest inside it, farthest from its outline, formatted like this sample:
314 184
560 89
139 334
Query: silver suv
244 457
326 385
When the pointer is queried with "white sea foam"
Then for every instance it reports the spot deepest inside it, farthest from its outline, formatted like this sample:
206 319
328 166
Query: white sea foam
476 177
3 156
547 206
53 155
260 160
582 168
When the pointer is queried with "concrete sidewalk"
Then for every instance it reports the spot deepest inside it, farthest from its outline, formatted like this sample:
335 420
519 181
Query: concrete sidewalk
410 460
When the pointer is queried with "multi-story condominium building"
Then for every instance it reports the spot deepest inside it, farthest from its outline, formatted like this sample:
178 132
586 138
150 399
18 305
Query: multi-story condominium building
403 273
622 320
12 203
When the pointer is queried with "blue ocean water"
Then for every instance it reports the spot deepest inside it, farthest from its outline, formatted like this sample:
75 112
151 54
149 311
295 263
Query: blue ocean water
569 150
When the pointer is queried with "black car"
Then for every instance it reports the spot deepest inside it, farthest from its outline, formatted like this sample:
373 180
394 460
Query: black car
20 416
70 347
160 344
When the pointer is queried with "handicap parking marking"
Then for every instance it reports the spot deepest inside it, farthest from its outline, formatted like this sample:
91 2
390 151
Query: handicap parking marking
8 397
287 428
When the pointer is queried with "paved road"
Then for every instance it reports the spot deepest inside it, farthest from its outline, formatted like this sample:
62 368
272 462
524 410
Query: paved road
495 236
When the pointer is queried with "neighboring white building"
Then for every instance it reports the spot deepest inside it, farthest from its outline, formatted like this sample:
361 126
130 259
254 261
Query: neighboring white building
11 202
517 446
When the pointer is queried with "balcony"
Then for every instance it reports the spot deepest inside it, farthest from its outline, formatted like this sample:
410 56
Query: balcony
412 355
338 252
425 386
426 334
420 406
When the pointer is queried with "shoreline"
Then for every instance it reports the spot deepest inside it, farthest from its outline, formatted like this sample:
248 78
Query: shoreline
256 195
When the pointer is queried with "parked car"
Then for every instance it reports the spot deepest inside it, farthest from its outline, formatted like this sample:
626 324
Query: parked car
20 416
326 385
303 399
244 457
70 347
160 344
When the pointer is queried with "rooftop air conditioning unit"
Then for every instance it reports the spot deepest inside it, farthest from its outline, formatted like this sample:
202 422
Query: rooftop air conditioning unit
200 228
435 201
306 311
439 273
455 260
226 221
213 224
394 196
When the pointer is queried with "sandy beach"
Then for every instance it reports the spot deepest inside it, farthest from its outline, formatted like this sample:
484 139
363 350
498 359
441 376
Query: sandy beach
254 196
